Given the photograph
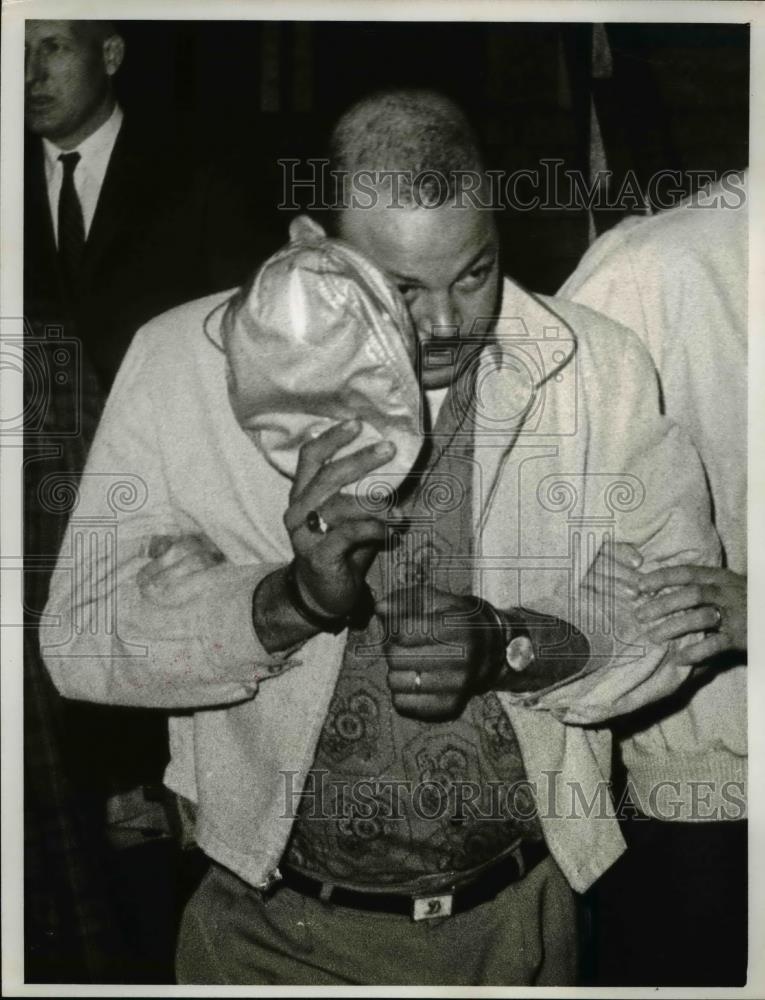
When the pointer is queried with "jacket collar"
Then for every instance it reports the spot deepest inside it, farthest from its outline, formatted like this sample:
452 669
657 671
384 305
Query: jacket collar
531 343
528 326
213 322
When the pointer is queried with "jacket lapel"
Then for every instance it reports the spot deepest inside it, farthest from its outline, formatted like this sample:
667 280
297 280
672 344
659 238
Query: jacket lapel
41 264
531 345
116 201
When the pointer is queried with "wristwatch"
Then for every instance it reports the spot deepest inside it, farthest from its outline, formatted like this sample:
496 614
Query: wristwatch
519 649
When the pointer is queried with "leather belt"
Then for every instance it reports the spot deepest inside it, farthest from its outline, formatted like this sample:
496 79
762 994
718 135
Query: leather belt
420 906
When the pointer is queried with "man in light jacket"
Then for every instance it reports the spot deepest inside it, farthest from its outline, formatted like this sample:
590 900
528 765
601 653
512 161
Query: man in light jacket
679 280
472 682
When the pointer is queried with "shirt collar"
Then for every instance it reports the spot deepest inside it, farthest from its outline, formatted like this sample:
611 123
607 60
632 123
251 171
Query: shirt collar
94 151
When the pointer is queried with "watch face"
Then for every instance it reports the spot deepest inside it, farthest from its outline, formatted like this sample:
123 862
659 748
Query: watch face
520 653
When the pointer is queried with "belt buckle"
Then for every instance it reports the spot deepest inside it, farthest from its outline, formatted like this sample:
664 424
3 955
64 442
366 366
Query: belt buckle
431 907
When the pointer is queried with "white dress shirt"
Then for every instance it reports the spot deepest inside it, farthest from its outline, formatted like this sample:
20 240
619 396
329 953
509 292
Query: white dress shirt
95 152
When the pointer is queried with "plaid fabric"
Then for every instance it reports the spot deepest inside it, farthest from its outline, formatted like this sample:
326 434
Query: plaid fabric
70 929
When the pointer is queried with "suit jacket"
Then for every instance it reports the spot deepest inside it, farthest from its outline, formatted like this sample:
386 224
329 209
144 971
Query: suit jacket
169 226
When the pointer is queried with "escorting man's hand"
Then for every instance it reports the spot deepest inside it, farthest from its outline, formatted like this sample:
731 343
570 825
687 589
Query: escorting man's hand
441 650
681 600
685 599
333 537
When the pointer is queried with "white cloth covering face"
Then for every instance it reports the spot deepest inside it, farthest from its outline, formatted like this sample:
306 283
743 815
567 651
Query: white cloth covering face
318 336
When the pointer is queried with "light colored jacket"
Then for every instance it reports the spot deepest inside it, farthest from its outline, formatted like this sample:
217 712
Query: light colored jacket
569 449
679 281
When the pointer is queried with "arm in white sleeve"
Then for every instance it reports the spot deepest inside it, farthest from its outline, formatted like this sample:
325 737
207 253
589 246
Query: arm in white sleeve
104 641
667 519
611 279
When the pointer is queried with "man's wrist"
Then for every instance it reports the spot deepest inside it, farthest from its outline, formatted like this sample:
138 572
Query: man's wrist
511 651
274 618
317 620
495 648
282 615
541 650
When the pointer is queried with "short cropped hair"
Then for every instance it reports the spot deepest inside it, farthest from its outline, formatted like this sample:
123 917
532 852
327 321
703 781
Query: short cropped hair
420 134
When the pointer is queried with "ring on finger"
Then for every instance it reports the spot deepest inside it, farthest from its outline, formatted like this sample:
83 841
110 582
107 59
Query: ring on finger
316 523
718 614
417 681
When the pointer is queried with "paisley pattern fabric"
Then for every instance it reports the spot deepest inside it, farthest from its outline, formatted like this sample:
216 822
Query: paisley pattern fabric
391 800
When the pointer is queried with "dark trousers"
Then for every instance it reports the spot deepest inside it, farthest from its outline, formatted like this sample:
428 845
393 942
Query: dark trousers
233 935
673 910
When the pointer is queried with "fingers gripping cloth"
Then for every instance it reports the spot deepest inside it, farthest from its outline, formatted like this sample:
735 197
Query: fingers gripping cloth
318 336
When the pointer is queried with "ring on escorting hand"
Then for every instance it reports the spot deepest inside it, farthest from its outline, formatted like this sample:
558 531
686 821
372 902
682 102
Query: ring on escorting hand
316 523
718 623
417 681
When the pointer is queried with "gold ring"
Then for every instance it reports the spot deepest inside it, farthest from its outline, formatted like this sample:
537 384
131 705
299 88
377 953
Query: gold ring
417 681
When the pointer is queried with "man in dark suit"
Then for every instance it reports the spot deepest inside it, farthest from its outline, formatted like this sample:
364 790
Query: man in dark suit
160 224
119 225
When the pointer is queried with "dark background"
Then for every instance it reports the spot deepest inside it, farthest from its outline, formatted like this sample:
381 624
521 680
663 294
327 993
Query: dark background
675 97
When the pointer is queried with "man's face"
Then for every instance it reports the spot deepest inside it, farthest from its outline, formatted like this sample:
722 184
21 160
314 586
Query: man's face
67 79
445 263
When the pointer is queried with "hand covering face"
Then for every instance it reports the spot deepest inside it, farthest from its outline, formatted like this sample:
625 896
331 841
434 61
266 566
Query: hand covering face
318 336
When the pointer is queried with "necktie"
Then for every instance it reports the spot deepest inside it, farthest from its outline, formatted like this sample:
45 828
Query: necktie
71 227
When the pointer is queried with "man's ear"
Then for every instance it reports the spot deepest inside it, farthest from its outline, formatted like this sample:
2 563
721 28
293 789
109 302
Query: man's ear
113 53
